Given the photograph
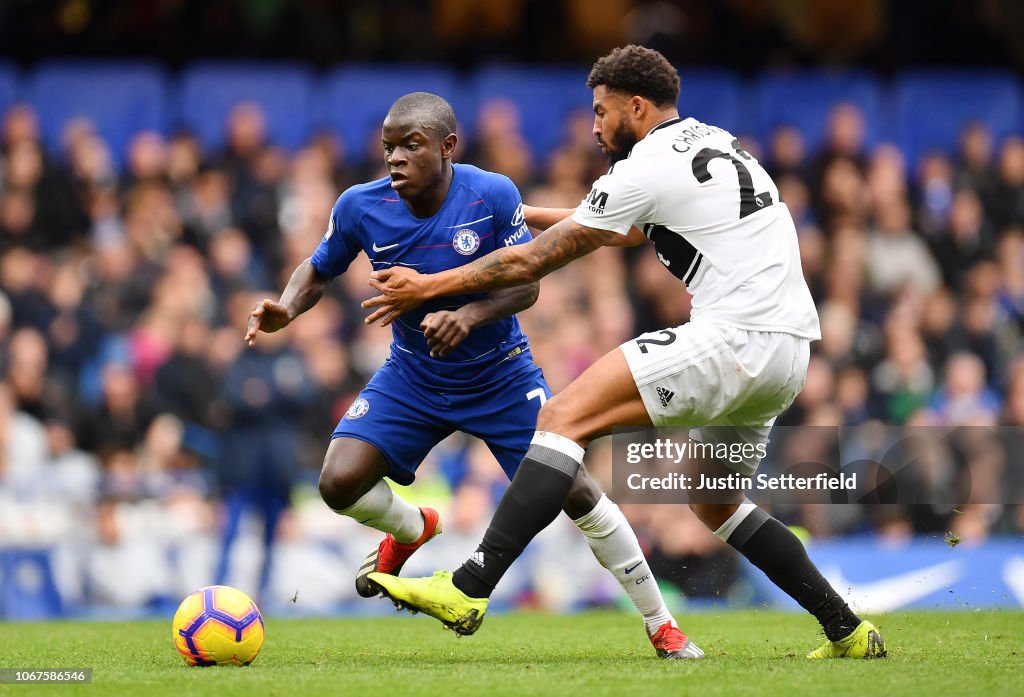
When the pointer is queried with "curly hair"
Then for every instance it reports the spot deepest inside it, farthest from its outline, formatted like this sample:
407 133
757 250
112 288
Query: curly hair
637 71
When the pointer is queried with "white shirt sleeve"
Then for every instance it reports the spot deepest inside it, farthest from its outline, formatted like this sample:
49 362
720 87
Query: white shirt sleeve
614 204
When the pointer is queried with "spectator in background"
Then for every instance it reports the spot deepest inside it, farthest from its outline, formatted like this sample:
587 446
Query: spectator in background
787 154
1010 257
254 169
841 195
499 145
896 255
27 374
119 422
72 329
147 161
903 381
23 446
1008 195
841 152
934 194
186 383
264 389
974 167
964 241
938 316
38 208
963 398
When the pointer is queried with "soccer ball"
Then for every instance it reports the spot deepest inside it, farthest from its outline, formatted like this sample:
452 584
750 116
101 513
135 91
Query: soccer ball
218 626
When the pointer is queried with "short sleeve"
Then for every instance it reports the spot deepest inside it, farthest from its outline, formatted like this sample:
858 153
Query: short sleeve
340 244
615 204
509 222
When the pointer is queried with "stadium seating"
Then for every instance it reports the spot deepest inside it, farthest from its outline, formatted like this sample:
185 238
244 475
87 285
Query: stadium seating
919 110
121 99
931 108
354 99
28 589
9 91
713 96
804 99
544 96
209 90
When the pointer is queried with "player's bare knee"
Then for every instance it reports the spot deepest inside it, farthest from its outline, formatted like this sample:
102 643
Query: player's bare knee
558 416
341 485
713 515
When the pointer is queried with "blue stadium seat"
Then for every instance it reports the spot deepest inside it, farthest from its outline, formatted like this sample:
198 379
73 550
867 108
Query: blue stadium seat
354 100
121 99
28 590
545 97
209 90
714 97
9 87
805 98
932 107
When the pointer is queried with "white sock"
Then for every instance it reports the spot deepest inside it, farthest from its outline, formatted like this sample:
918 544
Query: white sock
739 515
383 509
614 543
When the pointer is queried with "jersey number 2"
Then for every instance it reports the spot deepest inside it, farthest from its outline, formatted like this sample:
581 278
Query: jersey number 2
749 201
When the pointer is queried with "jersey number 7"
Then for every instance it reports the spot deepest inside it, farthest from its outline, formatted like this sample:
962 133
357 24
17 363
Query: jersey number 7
749 201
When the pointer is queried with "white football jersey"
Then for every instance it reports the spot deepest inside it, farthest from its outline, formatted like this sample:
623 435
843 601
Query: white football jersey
716 222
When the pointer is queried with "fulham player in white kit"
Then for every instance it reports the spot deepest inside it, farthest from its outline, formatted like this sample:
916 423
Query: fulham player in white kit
715 219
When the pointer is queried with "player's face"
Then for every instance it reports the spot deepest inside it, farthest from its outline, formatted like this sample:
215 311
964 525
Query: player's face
612 125
414 156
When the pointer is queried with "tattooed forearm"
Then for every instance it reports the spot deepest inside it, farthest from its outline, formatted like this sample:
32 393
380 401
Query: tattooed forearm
530 262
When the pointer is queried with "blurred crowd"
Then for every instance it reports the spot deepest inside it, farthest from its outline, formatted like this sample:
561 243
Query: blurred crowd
132 416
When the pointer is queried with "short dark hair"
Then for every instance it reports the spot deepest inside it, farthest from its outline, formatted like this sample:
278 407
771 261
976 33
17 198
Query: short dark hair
637 71
428 110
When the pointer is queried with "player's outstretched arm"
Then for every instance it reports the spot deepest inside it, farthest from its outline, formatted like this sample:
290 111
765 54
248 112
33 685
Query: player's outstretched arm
304 290
403 290
445 329
543 218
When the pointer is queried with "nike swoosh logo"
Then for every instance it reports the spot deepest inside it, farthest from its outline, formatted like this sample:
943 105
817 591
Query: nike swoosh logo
631 569
381 249
894 592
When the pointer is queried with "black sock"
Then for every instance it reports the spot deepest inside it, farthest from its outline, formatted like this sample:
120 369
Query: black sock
775 550
533 499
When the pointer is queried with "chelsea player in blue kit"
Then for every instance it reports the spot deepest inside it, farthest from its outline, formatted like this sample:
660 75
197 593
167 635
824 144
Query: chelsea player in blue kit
459 364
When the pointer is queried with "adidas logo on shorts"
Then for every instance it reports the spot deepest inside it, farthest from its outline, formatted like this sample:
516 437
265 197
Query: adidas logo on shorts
665 396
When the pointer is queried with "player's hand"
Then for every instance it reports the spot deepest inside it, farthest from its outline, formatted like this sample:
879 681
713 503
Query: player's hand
444 330
402 290
268 316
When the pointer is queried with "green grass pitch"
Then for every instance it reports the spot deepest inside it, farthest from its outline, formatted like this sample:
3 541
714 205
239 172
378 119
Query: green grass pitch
594 653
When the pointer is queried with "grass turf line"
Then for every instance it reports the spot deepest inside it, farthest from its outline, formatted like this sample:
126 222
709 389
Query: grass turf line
597 653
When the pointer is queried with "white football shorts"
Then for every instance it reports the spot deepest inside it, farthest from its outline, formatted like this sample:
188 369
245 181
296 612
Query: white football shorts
726 384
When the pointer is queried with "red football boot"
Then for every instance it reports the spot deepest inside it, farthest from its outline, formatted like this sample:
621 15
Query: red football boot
670 642
391 555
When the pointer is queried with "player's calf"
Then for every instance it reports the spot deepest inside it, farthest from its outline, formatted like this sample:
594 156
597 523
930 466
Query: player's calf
774 549
613 542
352 484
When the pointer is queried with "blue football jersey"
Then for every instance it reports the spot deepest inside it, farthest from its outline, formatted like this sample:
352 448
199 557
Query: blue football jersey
482 212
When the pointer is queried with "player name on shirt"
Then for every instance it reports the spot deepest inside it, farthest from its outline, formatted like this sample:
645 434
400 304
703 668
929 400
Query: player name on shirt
690 135
717 224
